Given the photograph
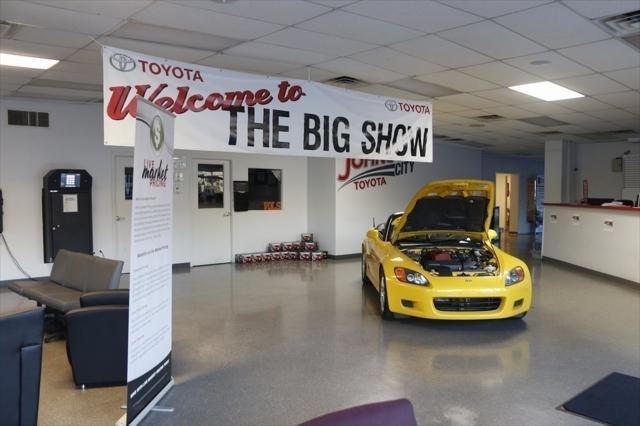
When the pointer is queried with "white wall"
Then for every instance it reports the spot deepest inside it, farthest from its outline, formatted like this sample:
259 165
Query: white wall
553 171
593 161
74 140
355 208
321 202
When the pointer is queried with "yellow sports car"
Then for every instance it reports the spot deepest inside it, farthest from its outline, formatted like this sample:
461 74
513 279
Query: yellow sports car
436 259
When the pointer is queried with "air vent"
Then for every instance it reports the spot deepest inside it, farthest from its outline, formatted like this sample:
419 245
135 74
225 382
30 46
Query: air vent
346 81
623 25
543 121
28 118
490 117
615 135
454 140
550 132
439 136
7 29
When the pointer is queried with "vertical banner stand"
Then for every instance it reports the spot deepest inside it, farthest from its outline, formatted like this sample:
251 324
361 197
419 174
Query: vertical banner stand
150 280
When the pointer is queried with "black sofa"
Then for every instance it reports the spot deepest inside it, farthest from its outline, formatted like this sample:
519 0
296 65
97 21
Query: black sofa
97 338
72 275
20 365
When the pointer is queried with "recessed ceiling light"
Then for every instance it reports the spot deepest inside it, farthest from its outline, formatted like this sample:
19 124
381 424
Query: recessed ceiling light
26 61
547 91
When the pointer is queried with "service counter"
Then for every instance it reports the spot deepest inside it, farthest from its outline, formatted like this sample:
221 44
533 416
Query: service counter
603 239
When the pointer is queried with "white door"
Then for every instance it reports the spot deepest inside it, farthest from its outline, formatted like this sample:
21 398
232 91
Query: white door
123 194
211 204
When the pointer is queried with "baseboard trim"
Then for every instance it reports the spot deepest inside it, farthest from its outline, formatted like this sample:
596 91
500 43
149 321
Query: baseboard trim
344 256
619 280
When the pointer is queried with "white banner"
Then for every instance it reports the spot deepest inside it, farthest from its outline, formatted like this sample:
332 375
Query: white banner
149 353
230 111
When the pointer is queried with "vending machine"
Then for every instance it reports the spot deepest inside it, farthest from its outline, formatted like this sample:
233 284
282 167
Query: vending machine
66 212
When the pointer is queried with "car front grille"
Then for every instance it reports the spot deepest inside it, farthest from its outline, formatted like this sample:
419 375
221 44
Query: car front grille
467 303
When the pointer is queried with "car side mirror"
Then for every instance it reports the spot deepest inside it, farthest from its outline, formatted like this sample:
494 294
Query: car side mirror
492 234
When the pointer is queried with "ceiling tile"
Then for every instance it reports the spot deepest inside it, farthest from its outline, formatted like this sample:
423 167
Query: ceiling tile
554 26
76 67
86 56
365 72
34 49
500 73
394 60
113 8
310 73
558 66
87 78
358 27
576 118
333 3
440 51
545 108
510 112
493 8
250 65
592 84
442 106
316 42
633 124
204 21
493 40
583 104
599 8
161 50
630 98
426 16
505 96
472 113
51 37
607 55
279 53
285 12
38 15
629 77
390 92
614 114
18 74
469 101
457 80
174 37
421 87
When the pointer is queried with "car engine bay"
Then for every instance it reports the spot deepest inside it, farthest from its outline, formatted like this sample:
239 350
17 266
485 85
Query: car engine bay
454 261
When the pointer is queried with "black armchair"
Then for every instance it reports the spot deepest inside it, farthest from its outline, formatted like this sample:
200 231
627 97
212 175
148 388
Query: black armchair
20 365
97 339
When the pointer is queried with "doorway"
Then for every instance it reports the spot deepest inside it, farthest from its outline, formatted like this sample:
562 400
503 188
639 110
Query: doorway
508 199
211 212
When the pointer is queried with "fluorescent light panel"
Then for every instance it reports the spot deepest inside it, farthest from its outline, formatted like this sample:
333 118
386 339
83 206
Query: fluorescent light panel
26 61
547 91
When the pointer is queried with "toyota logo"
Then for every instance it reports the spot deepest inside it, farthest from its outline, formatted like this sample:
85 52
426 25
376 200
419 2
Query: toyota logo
391 105
122 62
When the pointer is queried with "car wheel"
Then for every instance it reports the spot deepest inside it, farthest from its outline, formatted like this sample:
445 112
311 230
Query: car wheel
363 270
520 316
385 313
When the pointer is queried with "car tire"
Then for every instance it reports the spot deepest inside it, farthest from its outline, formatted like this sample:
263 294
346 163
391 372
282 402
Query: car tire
365 279
520 316
385 313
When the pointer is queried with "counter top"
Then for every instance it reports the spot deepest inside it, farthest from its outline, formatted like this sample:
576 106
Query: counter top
589 206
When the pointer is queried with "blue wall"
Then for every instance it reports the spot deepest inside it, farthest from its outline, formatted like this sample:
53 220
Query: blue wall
524 167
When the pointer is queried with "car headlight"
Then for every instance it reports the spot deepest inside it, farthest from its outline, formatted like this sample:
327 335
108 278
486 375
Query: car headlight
514 276
409 276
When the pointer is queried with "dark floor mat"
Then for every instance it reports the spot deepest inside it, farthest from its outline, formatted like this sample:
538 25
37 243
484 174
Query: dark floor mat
614 400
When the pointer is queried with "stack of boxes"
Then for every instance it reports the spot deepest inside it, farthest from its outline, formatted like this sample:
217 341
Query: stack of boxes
305 249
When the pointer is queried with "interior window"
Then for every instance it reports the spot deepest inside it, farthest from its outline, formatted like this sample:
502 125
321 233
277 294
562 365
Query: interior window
265 189
210 186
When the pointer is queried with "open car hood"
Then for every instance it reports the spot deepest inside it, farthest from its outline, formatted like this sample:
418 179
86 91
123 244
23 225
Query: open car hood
447 205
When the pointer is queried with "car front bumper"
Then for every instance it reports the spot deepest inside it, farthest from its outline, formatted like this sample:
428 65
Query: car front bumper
457 299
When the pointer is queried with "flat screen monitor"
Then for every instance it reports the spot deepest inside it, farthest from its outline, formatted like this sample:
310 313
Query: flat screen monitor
69 180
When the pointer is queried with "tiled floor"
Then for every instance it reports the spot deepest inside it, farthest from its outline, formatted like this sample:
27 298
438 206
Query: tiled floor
278 344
